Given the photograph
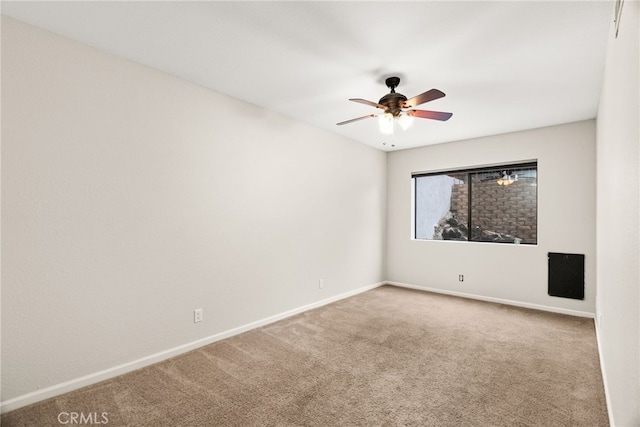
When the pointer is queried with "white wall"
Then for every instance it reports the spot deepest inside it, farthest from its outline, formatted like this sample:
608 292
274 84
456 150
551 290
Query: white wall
618 221
518 273
131 198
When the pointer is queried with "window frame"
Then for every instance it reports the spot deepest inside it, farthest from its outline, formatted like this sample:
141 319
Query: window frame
469 171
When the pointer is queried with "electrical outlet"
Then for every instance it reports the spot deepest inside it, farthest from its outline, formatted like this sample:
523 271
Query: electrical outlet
321 284
460 277
197 315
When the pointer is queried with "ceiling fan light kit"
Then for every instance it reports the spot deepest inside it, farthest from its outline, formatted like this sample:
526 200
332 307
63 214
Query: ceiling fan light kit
397 108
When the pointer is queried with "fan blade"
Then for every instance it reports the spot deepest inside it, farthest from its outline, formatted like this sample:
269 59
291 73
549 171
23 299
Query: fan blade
435 115
365 102
355 120
429 95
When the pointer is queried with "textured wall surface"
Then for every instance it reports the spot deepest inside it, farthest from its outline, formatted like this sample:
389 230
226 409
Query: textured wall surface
517 273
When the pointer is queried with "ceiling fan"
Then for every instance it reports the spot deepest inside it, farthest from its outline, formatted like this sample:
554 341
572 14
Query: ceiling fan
393 105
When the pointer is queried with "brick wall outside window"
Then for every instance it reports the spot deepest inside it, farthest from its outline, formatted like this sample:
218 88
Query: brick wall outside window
505 209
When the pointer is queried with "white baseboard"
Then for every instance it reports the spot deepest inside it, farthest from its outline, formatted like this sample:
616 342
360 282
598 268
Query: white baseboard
604 376
86 380
497 300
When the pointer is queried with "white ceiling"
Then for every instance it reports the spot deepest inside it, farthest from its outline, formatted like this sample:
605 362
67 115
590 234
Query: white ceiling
504 66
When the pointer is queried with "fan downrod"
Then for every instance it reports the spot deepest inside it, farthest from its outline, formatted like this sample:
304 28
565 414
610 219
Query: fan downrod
393 101
392 83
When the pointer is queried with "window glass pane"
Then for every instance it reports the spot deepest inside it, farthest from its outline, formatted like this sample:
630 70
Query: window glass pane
441 207
504 205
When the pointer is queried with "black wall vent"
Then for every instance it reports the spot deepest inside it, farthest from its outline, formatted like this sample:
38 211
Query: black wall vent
566 275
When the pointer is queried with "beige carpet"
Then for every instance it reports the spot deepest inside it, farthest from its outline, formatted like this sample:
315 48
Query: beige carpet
387 357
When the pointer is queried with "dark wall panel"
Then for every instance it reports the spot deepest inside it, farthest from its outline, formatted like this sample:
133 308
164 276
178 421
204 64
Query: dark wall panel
566 275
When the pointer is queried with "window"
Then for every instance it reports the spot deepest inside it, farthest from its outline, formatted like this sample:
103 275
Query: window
496 204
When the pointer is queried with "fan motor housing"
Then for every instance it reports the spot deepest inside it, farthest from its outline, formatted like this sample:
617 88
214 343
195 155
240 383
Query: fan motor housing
393 102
